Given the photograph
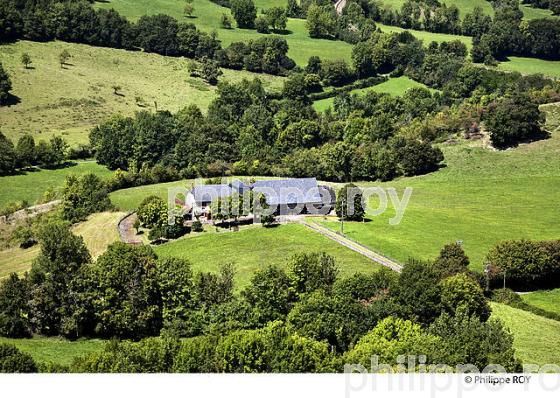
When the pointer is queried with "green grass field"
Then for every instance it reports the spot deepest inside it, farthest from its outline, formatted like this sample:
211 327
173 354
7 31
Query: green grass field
207 17
98 231
31 185
466 6
428 37
256 247
531 66
481 197
129 199
17 260
535 337
394 86
548 300
55 350
71 101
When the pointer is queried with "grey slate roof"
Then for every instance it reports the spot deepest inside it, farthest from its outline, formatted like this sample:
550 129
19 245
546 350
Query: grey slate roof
289 192
211 192
239 186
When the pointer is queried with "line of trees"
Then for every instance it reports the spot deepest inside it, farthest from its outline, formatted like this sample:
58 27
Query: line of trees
285 320
46 154
526 264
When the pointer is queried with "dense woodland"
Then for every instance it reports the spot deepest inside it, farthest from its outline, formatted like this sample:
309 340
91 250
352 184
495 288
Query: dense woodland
304 319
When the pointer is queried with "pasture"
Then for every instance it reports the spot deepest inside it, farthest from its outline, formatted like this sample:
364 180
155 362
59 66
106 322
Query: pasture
467 6
98 232
531 66
548 300
55 350
30 185
256 247
394 86
69 101
479 197
535 337
428 37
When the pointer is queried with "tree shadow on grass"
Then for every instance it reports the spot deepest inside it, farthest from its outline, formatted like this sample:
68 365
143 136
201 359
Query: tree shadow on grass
539 136
11 100
281 32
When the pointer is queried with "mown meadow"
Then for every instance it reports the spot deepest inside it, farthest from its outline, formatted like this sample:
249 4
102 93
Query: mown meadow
535 337
256 247
394 86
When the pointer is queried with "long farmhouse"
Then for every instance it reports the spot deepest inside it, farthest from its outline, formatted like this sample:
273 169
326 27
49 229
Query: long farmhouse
286 197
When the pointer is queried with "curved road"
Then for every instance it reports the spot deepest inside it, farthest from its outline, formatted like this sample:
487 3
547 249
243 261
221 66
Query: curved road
339 6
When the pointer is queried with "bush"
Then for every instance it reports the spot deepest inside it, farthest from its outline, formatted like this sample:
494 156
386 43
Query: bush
461 293
8 157
389 339
512 120
152 212
244 13
197 226
452 260
13 360
14 309
468 340
82 196
349 204
151 355
526 264
5 86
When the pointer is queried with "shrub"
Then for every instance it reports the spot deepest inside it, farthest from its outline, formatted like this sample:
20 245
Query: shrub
14 310
13 360
526 264
389 339
513 119
461 293
451 260
151 355
152 212
83 196
197 226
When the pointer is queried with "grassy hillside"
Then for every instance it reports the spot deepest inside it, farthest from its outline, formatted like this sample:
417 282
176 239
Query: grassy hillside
31 185
256 247
466 6
71 101
98 231
16 260
394 86
54 349
129 199
428 37
535 338
548 300
532 65
207 17
480 197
